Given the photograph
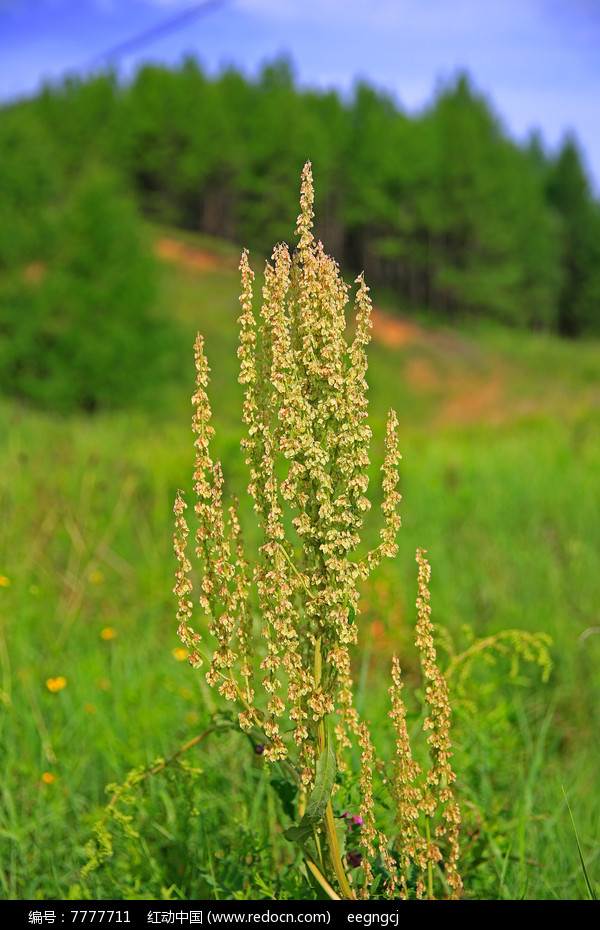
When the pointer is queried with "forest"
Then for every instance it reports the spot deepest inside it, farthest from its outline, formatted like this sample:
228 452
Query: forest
442 209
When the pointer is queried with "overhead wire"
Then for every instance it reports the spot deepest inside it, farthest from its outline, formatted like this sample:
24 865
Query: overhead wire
171 24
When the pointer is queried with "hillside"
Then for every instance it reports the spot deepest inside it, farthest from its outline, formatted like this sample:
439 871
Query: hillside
500 438
477 374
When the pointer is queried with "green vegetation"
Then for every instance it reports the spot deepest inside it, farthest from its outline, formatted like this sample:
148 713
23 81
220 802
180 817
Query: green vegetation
78 330
110 198
499 486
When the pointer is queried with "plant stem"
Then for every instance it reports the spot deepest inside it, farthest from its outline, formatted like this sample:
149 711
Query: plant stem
297 573
429 863
322 881
334 849
159 767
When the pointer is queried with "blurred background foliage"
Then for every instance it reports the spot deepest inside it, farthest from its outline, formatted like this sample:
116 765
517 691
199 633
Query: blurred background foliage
78 328
123 209
442 209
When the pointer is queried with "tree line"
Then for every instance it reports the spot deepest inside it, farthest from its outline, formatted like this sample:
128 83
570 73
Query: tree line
442 208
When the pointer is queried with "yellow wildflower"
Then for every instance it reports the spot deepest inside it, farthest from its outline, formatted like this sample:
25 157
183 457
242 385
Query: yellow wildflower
48 778
56 684
108 632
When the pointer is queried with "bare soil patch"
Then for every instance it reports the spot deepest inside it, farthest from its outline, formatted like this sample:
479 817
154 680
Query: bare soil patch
189 257
464 395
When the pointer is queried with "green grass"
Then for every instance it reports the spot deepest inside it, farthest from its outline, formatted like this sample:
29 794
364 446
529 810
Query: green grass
504 497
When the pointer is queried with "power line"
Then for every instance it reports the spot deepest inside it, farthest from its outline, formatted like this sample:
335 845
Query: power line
151 35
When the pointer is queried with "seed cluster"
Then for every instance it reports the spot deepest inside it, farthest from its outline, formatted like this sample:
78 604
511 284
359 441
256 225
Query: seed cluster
307 449
414 797
306 446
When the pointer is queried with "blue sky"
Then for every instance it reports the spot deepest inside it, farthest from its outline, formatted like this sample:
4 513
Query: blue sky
537 60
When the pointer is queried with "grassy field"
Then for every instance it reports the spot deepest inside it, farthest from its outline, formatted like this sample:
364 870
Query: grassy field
500 436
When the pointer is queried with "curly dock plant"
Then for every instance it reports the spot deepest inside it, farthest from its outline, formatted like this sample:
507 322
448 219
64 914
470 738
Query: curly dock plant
307 448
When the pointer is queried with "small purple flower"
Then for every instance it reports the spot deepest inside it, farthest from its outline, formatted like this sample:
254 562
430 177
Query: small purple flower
355 820
354 858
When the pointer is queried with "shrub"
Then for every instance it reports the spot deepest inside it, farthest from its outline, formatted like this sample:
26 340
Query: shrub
79 331
30 180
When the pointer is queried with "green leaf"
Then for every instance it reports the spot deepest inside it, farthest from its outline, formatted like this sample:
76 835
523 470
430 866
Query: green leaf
304 833
590 890
286 792
304 837
324 782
